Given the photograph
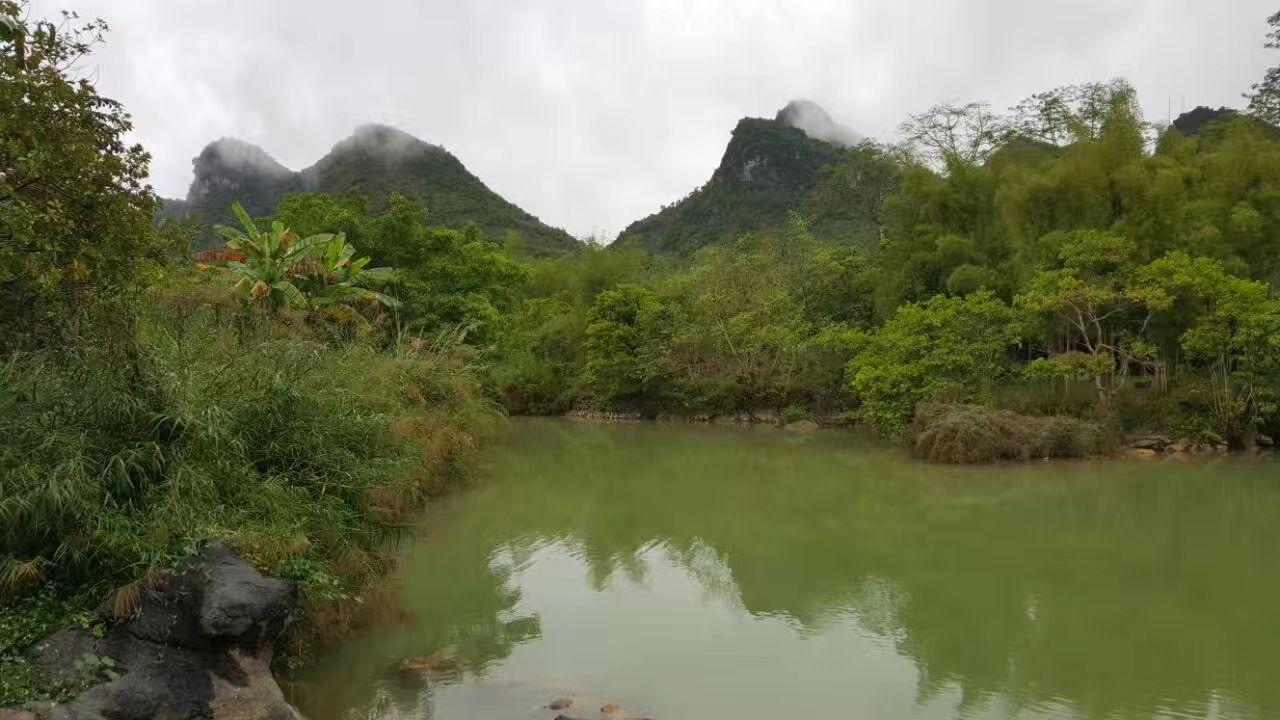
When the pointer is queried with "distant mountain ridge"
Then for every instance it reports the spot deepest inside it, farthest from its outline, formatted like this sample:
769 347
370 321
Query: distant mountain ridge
377 161
769 168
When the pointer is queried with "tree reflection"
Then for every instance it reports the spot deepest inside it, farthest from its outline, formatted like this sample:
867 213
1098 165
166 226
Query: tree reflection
1115 590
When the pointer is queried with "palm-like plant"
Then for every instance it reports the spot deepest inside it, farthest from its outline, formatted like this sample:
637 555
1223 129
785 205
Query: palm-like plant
273 260
339 279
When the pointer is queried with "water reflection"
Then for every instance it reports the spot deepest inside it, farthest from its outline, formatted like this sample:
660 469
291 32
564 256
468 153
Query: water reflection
1090 590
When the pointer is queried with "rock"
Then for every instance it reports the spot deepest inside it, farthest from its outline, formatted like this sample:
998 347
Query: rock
801 426
17 714
767 417
55 657
1265 441
199 647
611 709
1181 446
1149 442
560 704
1144 453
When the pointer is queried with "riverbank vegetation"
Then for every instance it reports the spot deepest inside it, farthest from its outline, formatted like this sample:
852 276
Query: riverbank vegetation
1032 285
1067 247
272 398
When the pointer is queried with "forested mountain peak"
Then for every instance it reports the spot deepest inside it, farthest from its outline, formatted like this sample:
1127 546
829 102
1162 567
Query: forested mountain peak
376 161
230 169
768 168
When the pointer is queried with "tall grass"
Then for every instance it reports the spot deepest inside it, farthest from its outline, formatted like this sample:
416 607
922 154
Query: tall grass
303 448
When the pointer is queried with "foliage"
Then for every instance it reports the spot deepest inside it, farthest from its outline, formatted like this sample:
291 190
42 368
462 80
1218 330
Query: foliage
628 331
23 622
947 348
1264 101
75 212
263 434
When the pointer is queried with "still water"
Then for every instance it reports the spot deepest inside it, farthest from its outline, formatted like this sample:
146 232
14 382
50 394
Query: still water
695 572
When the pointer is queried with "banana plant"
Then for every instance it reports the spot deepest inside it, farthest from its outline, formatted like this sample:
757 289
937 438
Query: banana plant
275 260
338 279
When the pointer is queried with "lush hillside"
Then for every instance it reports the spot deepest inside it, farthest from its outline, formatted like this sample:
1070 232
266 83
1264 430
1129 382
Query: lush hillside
770 168
377 161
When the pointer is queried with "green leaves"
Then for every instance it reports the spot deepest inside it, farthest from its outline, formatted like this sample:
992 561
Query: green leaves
9 27
947 348
283 271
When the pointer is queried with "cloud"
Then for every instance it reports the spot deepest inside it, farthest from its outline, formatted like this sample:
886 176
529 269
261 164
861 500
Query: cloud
592 114
809 116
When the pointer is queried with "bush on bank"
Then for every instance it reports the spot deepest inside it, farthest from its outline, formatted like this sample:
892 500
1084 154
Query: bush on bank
959 433
303 450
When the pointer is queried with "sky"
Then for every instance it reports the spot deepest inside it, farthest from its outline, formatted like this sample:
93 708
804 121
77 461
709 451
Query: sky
593 113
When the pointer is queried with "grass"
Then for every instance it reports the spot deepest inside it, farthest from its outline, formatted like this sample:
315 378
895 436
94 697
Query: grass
958 433
302 447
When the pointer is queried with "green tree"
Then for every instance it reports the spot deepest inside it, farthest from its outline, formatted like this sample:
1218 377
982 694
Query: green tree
946 348
338 280
629 329
1233 331
1095 295
272 272
75 211
1264 101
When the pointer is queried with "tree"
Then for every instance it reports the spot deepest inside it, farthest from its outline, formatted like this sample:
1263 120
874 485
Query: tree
1264 101
270 274
75 210
1233 331
956 133
448 278
628 332
1070 113
338 280
947 347
1095 294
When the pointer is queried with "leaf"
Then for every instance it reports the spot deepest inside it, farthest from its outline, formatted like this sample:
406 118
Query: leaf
9 28
292 295
244 218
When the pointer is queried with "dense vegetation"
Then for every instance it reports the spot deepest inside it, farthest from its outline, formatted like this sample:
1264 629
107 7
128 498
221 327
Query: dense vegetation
1064 258
274 397
1000 287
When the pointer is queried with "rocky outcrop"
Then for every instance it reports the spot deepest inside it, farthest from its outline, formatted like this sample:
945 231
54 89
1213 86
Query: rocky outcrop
199 646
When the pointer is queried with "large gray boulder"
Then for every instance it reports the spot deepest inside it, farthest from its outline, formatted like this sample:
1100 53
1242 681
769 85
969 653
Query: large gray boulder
199 647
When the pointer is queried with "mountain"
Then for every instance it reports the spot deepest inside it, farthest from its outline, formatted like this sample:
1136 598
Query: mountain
769 168
377 161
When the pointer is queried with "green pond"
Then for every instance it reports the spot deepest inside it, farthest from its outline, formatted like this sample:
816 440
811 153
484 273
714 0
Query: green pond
695 572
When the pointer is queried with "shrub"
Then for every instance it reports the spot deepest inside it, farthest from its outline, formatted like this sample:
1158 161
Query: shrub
959 433
303 454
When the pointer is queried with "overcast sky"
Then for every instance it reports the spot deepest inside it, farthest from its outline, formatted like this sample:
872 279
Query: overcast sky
593 113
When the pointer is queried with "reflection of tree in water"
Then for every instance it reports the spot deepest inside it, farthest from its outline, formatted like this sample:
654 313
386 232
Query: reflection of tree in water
1109 588
460 603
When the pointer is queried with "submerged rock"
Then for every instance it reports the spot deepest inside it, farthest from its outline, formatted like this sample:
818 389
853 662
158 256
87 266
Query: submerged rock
560 704
442 662
199 646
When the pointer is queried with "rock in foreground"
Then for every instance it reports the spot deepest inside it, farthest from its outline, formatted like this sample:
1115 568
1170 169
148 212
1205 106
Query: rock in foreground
199 647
